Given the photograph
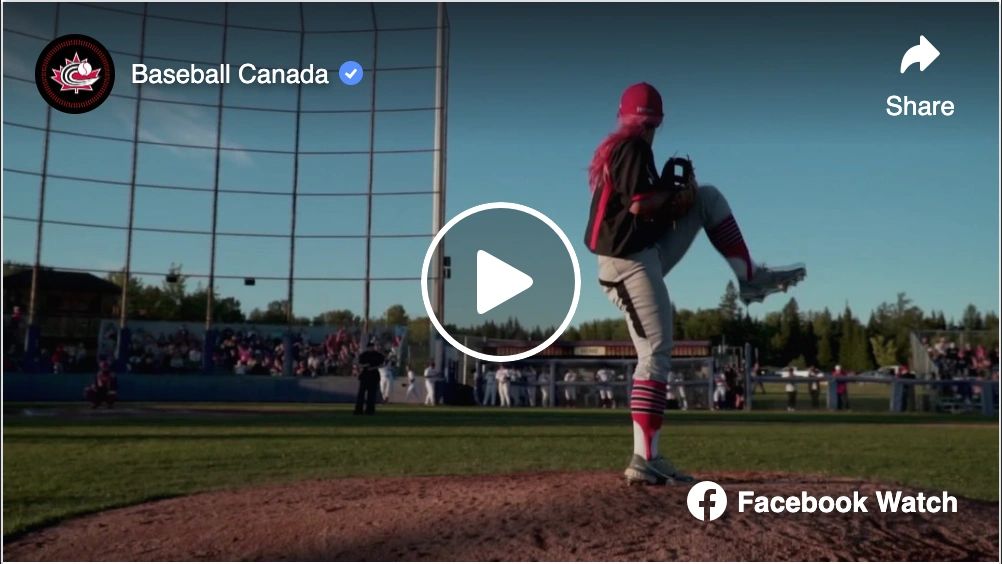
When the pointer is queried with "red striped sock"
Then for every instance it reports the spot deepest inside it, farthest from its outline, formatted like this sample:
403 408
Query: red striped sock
727 239
647 404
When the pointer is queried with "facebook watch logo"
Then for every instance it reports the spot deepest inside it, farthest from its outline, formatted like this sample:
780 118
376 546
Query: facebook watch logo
706 501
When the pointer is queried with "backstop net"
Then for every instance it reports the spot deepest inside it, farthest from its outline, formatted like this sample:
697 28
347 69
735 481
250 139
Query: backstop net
280 217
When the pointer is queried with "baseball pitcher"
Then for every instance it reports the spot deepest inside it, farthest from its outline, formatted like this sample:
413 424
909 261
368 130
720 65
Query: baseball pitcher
640 225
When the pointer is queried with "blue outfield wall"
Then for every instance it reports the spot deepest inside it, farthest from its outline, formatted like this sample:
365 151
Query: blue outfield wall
183 387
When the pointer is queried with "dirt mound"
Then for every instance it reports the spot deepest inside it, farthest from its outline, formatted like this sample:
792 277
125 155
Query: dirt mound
549 516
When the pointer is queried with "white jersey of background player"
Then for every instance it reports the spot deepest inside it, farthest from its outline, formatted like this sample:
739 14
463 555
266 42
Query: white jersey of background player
431 376
675 388
604 377
503 377
719 390
571 390
412 392
386 376
544 390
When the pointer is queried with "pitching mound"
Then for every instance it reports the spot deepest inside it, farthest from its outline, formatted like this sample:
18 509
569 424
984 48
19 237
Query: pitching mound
550 516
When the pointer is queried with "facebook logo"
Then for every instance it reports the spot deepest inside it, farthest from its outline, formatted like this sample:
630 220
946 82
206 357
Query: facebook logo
706 501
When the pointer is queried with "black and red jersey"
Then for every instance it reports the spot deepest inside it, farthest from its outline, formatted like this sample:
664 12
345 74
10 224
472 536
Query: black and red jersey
612 229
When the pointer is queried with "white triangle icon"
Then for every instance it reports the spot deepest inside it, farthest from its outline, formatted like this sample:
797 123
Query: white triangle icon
497 282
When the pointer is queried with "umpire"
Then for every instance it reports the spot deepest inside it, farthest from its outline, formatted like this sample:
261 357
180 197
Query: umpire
368 379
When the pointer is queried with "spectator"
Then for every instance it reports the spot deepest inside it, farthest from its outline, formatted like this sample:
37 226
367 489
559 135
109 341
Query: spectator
14 346
104 389
841 389
814 386
195 358
58 360
791 390
907 389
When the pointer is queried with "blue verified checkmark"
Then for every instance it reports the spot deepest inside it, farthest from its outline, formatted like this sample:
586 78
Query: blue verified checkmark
350 73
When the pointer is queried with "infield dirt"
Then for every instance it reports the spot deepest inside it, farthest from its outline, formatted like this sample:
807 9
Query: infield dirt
546 516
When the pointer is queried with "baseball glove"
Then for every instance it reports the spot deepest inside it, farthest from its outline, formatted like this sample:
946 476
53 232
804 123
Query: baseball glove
679 177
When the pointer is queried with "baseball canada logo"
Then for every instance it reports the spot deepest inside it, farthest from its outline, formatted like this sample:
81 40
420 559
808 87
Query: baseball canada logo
74 74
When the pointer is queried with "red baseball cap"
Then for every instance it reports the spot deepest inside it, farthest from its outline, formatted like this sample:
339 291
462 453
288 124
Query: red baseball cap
643 100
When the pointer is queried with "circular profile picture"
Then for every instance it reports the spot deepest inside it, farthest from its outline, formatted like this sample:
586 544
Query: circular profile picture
74 74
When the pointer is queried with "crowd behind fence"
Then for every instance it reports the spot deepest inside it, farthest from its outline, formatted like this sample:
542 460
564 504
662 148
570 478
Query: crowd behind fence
961 378
163 347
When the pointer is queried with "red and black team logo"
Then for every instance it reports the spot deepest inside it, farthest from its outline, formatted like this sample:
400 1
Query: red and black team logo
74 74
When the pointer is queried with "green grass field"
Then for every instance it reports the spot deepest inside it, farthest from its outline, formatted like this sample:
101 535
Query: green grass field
55 467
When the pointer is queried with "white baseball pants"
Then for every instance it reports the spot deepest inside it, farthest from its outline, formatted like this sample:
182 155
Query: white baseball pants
635 284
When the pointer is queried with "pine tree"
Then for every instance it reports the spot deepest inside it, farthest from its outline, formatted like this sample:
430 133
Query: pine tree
863 357
824 331
971 319
992 326
810 345
730 307
678 323
854 350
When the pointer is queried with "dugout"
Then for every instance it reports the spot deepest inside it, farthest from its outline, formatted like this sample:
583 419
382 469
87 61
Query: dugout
692 369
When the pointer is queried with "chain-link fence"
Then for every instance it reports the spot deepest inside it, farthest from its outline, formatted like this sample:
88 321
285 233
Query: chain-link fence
289 211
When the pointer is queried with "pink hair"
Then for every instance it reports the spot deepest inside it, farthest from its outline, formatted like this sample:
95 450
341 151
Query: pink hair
630 126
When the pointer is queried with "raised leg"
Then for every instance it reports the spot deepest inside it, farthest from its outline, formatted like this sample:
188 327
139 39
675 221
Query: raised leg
710 212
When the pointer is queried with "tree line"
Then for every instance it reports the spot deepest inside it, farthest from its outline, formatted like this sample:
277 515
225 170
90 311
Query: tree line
790 336
785 337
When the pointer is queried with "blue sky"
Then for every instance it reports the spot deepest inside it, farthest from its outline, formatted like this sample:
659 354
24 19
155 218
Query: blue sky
780 106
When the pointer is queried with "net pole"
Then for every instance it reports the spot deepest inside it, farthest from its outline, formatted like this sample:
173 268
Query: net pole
33 294
210 294
123 335
367 285
287 367
438 171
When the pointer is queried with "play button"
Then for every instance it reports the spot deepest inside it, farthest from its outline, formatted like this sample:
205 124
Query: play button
497 282
509 274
